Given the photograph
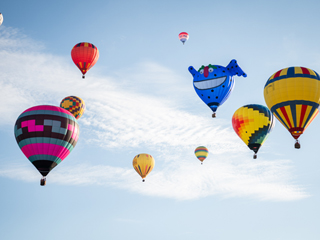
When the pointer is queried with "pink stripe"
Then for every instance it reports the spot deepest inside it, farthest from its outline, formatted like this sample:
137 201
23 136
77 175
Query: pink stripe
32 127
48 107
45 148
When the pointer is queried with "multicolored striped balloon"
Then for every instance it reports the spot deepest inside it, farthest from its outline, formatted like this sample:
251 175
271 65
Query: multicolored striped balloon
253 123
293 96
46 135
84 55
75 105
143 163
201 153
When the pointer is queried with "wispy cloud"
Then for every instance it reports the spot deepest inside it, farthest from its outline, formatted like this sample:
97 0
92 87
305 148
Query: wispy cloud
132 116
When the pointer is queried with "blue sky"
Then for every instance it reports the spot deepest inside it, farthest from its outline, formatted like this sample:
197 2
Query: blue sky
140 98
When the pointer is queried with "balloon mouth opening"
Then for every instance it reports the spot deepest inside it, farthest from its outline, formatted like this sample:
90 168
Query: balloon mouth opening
209 83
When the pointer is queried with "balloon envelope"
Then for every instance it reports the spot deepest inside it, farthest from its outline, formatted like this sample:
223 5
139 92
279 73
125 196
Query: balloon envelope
143 163
74 105
1 18
183 37
293 96
84 55
201 153
214 83
46 135
253 123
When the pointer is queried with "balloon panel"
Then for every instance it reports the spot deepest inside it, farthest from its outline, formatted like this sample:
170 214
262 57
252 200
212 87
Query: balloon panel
293 95
84 55
143 163
253 124
74 105
1 18
46 135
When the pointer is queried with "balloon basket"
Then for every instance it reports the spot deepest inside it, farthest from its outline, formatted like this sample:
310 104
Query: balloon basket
83 76
255 156
143 180
213 115
297 145
43 181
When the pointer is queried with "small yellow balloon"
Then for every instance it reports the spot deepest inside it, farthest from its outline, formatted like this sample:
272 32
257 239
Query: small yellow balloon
143 163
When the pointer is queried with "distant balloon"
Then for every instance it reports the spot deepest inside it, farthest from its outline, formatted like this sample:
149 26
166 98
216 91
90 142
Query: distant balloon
293 96
1 19
143 163
46 135
201 153
84 55
214 83
183 37
75 105
253 123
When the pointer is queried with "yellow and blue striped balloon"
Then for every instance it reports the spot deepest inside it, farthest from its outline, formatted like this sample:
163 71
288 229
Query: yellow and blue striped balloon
293 96
201 153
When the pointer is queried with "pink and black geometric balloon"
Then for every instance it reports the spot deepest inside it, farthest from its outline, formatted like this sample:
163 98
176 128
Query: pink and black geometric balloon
46 135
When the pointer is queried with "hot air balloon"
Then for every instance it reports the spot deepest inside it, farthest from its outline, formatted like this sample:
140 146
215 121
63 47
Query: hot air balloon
201 153
84 55
214 83
1 19
183 37
75 105
143 163
46 135
253 123
293 96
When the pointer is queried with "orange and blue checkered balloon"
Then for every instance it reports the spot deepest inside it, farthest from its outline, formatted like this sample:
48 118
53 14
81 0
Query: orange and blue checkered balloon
74 105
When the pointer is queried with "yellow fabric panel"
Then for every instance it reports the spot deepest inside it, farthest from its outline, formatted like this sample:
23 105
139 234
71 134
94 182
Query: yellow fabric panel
289 113
312 72
298 114
298 70
290 89
284 72
283 118
306 115
312 117
86 44
272 76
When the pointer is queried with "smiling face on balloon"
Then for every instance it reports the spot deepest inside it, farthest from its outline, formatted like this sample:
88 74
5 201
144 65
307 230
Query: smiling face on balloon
214 83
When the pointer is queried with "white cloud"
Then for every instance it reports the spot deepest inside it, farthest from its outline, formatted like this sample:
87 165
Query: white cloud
118 116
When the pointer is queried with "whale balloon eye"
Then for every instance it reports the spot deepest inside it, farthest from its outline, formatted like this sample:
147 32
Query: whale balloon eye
211 70
201 71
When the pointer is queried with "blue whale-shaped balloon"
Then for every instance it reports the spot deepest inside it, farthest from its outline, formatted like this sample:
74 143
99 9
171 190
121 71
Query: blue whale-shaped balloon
214 83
